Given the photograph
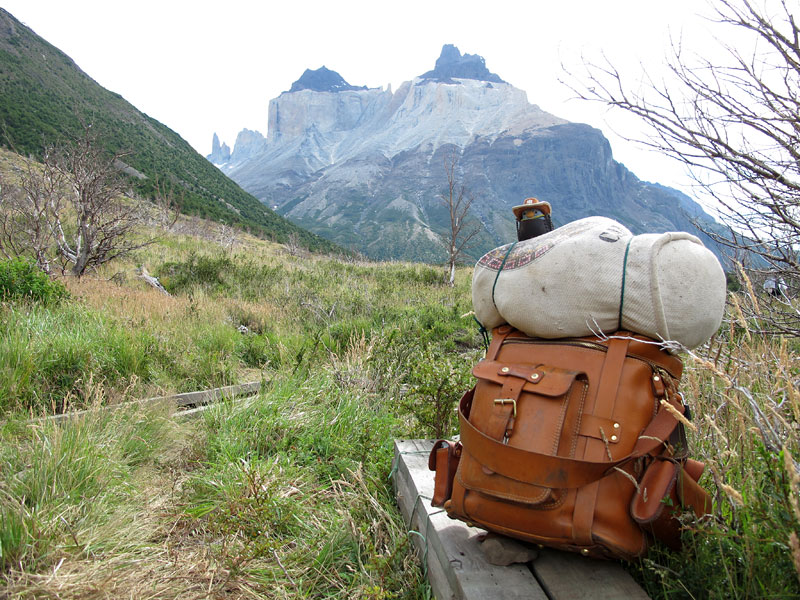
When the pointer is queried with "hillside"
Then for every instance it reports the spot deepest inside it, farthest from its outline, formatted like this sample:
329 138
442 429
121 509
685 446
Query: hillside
45 98
365 167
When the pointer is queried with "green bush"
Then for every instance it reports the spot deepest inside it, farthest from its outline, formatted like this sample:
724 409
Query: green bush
436 379
203 271
20 279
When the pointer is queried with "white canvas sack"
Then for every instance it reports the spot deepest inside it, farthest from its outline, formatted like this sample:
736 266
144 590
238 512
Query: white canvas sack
594 275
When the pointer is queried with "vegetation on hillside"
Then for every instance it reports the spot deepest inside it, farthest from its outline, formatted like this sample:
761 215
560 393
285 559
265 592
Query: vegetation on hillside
46 99
286 492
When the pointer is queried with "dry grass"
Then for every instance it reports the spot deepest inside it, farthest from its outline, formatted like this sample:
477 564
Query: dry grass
742 388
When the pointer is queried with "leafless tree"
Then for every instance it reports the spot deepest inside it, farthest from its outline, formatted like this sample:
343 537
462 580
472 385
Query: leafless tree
736 125
70 209
227 236
292 244
28 211
463 230
168 205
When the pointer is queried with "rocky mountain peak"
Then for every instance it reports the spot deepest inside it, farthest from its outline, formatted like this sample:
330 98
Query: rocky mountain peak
220 153
322 80
452 64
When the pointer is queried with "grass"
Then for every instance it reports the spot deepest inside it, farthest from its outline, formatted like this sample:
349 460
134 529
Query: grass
742 389
287 495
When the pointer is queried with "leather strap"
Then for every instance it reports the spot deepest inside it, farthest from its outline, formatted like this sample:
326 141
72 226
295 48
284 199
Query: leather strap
504 410
499 335
554 471
608 385
443 459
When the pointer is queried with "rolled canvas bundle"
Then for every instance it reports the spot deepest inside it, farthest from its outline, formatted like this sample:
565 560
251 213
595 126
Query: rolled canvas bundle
593 275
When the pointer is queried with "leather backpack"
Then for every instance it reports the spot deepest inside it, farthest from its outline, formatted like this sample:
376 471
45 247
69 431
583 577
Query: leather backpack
573 444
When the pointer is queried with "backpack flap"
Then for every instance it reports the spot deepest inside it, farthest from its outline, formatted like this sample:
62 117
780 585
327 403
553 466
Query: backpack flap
542 380
533 408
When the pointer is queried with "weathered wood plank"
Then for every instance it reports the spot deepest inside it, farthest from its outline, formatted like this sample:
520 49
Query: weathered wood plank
566 575
457 568
199 398
417 521
208 396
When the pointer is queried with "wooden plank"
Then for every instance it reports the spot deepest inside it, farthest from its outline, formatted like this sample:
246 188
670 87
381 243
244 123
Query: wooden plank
185 399
416 521
456 566
565 575
208 396
193 413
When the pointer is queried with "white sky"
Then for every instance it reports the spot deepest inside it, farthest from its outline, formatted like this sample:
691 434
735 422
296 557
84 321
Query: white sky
202 67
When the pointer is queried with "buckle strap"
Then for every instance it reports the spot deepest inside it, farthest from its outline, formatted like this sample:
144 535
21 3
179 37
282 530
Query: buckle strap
554 471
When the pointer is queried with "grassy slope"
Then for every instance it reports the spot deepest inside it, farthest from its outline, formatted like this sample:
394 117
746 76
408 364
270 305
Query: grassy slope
44 98
288 496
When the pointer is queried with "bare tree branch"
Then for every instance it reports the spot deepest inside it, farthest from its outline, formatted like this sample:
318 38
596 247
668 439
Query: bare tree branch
736 125
463 230
70 209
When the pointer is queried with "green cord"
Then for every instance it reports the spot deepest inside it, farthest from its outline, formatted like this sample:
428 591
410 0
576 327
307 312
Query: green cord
622 292
424 558
503 264
484 333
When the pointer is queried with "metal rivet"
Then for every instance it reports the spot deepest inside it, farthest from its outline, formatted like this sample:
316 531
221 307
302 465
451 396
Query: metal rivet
656 378
616 425
585 552
535 376
505 369
614 438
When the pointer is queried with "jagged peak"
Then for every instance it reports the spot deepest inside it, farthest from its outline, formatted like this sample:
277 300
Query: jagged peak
323 80
451 64
220 153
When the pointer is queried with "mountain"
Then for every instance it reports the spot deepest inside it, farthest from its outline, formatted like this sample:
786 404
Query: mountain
220 154
45 98
364 167
322 80
451 65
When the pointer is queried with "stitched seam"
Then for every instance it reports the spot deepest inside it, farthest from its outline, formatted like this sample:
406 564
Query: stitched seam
579 419
560 425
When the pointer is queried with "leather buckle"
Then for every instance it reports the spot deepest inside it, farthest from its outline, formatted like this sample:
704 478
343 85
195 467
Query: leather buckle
504 401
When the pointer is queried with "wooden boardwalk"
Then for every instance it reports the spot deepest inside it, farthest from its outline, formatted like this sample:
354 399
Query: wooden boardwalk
188 403
457 568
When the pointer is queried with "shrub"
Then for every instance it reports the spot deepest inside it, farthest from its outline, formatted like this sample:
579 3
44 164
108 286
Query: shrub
20 279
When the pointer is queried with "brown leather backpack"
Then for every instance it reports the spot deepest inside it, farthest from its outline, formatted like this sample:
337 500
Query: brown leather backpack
568 443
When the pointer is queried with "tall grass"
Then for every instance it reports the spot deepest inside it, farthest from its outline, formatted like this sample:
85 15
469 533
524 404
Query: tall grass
743 389
294 491
62 486
287 495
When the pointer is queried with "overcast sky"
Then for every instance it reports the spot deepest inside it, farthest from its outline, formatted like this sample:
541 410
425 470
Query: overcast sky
203 67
